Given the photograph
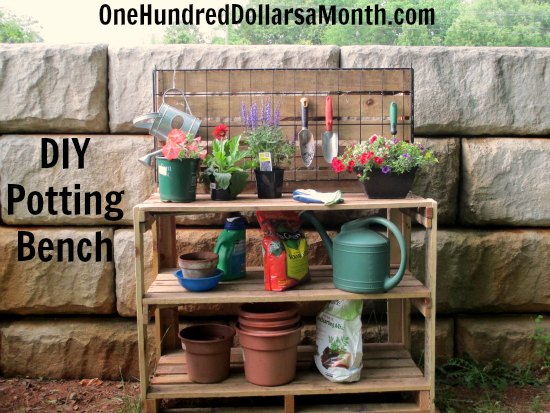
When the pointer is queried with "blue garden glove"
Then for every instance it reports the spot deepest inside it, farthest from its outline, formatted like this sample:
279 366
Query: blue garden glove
311 196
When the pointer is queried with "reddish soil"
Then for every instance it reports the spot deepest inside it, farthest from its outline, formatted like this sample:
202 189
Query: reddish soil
35 395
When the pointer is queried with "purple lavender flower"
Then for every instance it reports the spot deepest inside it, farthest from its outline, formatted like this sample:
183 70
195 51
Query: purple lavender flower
406 155
244 115
395 140
386 169
267 113
253 116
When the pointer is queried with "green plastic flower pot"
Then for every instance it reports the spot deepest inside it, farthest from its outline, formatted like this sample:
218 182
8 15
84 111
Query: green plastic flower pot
177 179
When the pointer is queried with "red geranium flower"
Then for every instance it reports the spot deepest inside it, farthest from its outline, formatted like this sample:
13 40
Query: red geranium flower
220 131
363 159
373 139
378 160
338 165
351 164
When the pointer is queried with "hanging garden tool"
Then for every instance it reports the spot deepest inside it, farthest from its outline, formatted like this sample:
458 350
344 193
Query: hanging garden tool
307 141
330 138
393 119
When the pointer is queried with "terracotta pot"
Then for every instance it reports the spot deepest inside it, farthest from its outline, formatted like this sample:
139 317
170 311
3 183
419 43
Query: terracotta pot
270 357
207 350
256 330
276 325
198 264
268 311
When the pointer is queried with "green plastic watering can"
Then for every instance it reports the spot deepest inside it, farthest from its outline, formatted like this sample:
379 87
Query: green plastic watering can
360 256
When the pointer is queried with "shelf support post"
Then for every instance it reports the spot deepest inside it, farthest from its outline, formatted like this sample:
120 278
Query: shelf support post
399 310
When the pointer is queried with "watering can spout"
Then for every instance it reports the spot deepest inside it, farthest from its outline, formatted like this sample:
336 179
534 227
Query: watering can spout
309 216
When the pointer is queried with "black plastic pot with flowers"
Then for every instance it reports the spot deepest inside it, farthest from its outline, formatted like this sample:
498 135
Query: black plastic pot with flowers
268 148
386 168
225 173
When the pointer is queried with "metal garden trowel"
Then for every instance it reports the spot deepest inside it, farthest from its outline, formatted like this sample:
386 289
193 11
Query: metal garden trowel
329 138
307 141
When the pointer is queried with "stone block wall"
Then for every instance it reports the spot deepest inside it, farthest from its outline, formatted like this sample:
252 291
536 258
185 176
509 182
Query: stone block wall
482 110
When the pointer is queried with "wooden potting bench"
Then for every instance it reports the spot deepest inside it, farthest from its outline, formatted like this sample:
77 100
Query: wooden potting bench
361 100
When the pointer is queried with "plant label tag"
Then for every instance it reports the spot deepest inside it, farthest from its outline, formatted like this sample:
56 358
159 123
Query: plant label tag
163 170
265 161
213 185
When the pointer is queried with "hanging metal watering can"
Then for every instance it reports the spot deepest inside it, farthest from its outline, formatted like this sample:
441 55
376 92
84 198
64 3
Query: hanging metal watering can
161 123
360 256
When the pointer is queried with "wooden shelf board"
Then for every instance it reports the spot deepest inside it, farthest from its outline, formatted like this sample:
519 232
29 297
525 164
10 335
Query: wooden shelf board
388 367
250 202
341 408
166 290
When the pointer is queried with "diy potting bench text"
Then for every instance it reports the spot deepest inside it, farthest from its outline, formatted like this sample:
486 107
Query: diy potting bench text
69 201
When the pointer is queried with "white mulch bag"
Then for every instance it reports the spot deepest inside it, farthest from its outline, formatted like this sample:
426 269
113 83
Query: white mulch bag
339 353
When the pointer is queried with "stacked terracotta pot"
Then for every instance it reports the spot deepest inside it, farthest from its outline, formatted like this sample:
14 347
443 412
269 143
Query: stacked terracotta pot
269 334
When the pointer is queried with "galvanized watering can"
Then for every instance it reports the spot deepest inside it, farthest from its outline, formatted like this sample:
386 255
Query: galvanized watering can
161 123
360 256
167 118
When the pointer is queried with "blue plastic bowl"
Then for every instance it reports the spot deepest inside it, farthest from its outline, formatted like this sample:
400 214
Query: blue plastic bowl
199 284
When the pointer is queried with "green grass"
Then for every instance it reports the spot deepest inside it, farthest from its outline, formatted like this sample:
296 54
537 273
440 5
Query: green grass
466 385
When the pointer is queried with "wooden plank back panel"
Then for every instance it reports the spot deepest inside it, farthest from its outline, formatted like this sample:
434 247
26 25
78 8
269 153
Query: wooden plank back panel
361 100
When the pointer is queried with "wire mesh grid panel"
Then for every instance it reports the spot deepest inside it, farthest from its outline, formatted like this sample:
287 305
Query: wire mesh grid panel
361 105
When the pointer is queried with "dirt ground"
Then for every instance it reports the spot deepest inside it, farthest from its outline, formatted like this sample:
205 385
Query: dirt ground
18 395
88 395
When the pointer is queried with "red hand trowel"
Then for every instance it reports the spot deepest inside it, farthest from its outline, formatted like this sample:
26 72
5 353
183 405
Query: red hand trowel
329 138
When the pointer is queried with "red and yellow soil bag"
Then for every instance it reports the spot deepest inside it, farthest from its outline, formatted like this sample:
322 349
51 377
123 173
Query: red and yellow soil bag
284 249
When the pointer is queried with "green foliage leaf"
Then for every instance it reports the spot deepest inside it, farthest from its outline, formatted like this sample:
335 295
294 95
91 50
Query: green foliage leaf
14 29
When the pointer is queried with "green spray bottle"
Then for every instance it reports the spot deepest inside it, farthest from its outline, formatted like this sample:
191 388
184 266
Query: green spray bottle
231 248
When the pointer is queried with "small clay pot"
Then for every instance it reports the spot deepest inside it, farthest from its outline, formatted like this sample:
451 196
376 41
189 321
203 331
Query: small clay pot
277 325
198 264
270 357
207 350
268 311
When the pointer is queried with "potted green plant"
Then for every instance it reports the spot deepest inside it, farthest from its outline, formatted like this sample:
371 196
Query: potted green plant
177 168
268 148
385 167
225 166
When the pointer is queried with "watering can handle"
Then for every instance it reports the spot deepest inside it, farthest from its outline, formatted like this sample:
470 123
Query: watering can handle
145 121
182 94
391 282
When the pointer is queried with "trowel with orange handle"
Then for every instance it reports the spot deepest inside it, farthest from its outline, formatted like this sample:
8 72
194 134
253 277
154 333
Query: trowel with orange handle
329 138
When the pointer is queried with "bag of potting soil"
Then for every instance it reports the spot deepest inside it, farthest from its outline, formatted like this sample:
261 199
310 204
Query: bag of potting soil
339 352
284 248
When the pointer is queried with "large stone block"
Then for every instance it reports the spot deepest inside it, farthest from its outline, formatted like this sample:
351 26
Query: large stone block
441 181
59 89
508 338
56 287
190 240
505 182
110 164
444 339
69 348
125 269
489 271
130 86
469 90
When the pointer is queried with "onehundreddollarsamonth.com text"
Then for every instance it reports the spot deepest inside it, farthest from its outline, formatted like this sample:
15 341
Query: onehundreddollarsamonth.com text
264 14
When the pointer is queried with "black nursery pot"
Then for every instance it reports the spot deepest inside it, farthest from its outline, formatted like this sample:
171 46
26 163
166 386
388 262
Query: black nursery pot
380 185
269 183
221 195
